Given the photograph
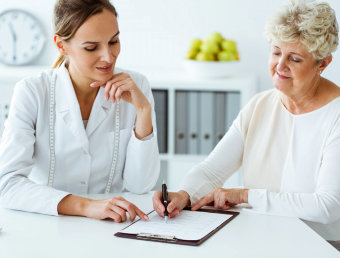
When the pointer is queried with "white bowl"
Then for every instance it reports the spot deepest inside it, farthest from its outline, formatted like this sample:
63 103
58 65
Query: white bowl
211 69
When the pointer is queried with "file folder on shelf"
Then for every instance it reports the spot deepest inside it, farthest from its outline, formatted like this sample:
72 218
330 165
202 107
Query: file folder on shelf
193 132
181 122
220 116
161 110
233 107
206 118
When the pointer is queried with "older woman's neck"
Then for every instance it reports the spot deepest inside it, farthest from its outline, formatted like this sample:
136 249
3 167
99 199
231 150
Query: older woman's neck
325 92
305 100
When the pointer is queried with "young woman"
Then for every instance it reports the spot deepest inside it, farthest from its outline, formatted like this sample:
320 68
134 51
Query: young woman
83 127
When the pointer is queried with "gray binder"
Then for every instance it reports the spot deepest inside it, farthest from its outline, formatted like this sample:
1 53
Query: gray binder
161 110
233 101
206 122
193 132
181 122
220 116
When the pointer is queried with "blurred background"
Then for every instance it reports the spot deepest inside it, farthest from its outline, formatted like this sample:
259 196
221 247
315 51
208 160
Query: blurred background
157 33
155 37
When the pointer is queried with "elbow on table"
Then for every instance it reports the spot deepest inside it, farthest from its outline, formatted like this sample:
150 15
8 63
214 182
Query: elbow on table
142 183
140 188
325 214
325 218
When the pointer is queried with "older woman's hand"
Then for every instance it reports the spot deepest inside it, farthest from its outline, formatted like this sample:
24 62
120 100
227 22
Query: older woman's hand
222 198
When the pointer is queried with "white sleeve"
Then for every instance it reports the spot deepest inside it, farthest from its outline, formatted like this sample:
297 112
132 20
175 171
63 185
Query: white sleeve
221 163
142 162
17 191
323 205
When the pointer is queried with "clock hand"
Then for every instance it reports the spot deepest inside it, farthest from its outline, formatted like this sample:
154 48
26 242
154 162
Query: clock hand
14 40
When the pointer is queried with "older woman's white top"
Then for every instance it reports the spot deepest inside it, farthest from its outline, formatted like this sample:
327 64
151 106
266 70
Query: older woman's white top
290 162
83 155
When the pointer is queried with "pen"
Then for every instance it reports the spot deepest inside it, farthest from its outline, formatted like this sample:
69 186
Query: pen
165 200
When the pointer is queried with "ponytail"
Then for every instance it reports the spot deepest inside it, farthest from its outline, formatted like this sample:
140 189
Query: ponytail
60 59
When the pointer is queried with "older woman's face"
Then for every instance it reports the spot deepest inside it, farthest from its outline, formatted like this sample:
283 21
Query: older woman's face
292 68
94 48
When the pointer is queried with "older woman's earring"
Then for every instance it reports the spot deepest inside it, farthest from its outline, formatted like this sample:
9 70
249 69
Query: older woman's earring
320 72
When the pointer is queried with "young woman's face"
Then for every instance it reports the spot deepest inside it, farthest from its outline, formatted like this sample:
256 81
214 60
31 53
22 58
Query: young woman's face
94 48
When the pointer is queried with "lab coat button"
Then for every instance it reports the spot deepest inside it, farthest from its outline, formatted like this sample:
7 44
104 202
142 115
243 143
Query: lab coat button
83 182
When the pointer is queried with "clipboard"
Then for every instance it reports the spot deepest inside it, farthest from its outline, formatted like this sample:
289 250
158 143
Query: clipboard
173 239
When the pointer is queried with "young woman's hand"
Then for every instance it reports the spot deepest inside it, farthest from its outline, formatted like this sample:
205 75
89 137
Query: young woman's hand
121 86
222 198
115 208
177 202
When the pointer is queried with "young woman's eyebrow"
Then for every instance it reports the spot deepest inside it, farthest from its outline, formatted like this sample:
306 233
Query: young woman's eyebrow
95 42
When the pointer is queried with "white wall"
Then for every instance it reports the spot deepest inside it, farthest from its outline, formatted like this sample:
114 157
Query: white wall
156 33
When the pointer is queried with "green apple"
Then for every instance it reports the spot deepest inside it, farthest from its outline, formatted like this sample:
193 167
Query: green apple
204 56
195 44
192 53
216 37
226 56
229 45
210 47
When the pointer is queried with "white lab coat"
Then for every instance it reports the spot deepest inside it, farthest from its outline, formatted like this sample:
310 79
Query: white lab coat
83 156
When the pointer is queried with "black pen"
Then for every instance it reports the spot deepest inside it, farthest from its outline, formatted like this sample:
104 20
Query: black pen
165 200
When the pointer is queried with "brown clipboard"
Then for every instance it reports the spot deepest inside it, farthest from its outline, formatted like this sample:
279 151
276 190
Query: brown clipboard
174 240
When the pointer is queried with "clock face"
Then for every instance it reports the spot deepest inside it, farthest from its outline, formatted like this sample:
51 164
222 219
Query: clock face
22 37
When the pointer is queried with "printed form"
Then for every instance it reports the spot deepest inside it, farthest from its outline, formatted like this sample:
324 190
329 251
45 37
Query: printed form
188 225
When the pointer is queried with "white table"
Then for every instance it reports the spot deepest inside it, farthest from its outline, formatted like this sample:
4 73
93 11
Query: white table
248 235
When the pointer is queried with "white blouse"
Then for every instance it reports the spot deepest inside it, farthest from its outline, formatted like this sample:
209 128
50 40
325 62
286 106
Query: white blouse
290 163
83 156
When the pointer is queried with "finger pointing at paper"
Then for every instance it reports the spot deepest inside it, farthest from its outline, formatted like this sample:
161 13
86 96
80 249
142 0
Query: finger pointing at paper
222 198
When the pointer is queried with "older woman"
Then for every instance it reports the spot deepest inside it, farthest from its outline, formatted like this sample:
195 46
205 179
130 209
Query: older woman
287 139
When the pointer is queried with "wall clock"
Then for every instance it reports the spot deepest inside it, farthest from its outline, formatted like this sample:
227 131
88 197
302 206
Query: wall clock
22 37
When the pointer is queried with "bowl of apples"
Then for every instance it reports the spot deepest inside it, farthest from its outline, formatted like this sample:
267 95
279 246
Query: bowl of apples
214 57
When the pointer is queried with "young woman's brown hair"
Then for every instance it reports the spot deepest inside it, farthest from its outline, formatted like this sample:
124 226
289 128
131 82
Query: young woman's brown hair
69 15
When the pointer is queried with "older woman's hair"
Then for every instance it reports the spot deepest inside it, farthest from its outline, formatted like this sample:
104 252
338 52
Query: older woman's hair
69 15
311 23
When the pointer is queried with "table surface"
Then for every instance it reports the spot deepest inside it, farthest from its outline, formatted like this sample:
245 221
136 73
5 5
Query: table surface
248 235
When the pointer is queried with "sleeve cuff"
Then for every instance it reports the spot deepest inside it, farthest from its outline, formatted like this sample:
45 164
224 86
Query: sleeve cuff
53 204
146 138
257 199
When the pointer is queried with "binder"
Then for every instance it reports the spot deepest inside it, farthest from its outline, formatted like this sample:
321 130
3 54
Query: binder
181 122
233 107
173 239
161 110
220 116
193 132
206 141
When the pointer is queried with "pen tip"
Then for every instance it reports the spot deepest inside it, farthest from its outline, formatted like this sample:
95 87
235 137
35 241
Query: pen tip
166 219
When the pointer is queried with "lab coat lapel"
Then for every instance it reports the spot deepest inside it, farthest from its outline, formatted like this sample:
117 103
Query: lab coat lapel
99 112
67 107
